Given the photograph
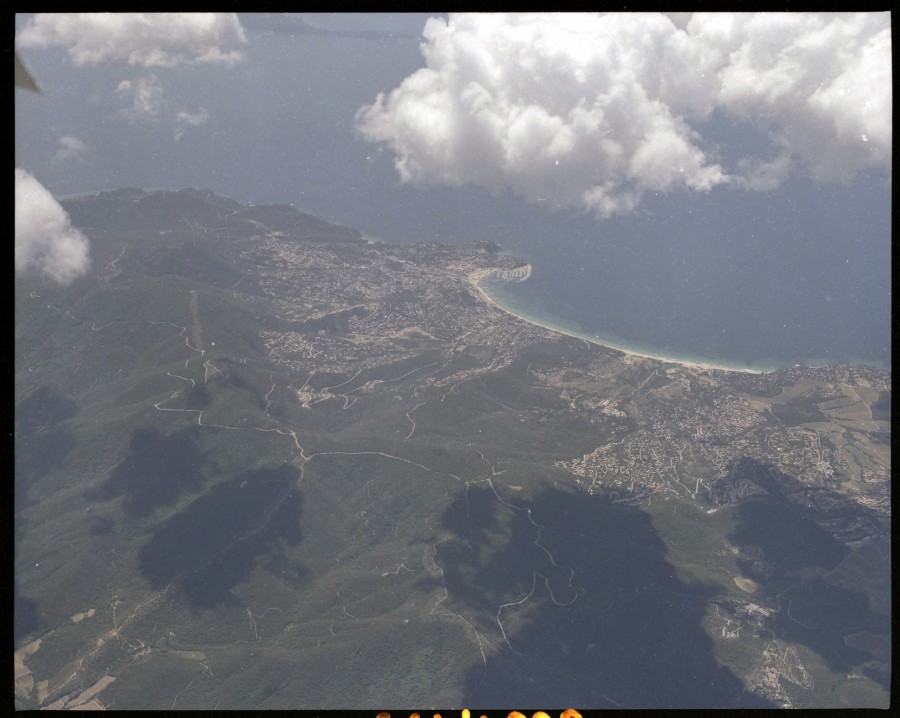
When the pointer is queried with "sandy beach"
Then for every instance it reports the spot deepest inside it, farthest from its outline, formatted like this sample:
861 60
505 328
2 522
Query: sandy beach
479 274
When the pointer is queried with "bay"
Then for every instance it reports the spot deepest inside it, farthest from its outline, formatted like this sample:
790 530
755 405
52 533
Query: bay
752 279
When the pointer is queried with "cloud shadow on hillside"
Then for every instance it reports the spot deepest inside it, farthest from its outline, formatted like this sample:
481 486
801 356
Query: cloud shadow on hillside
625 633
156 471
215 542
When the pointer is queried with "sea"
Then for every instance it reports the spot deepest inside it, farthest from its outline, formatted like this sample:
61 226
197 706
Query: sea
750 282
755 280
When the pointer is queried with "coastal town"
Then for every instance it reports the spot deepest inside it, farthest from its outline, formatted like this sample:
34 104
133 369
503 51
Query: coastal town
692 430
700 437
461 470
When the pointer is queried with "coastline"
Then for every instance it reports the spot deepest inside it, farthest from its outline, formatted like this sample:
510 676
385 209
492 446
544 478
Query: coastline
478 275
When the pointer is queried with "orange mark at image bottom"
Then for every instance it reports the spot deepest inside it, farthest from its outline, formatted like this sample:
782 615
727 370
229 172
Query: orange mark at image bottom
466 713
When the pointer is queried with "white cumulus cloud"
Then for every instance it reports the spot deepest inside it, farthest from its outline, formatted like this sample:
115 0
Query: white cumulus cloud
145 95
70 148
817 82
195 119
186 119
46 242
590 111
142 39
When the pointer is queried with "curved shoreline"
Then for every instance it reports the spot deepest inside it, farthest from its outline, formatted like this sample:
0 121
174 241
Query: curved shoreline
479 274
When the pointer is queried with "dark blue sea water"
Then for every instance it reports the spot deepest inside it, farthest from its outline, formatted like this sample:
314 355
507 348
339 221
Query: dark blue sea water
754 280
801 275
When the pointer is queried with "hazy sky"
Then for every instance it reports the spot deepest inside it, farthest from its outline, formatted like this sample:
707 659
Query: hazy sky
527 127
585 112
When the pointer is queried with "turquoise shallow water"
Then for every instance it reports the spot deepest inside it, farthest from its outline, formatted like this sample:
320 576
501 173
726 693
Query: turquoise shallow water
719 312
801 275
511 297
504 294
753 282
